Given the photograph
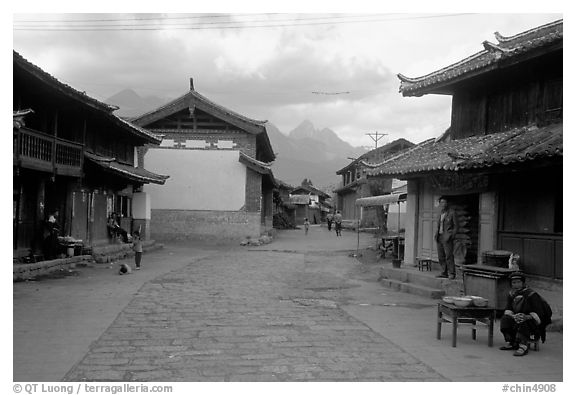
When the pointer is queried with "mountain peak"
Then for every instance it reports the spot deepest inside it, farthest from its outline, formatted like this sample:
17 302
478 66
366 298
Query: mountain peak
304 130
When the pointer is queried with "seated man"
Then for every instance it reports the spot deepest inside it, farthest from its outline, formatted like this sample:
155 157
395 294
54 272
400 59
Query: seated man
525 315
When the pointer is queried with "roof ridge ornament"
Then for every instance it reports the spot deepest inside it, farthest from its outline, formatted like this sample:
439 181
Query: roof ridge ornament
504 39
494 48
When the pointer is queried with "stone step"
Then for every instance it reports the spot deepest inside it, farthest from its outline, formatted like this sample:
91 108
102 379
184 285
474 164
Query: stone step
427 279
421 290
114 252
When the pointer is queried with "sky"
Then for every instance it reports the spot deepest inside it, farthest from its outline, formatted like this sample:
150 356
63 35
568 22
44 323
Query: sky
337 69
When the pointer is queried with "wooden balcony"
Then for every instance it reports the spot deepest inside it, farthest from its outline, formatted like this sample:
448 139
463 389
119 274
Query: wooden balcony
38 151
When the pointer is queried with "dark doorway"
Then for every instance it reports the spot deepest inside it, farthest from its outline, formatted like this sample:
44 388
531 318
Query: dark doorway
466 243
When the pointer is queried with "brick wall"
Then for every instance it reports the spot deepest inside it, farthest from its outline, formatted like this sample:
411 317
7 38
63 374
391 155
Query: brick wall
253 191
166 225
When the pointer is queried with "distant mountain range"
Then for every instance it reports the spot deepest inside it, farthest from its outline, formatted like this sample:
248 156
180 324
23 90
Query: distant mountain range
303 153
131 104
306 152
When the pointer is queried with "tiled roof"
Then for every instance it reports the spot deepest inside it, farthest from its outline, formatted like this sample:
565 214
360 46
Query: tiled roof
514 146
106 110
192 94
367 158
260 167
134 173
67 89
485 60
310 189
352 186
196 100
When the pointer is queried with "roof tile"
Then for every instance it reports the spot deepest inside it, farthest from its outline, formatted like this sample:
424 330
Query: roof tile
517 145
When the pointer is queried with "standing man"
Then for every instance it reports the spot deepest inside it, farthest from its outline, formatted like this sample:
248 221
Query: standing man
444 237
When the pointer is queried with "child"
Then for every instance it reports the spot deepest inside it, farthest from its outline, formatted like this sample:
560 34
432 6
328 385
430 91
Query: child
306 225
137 247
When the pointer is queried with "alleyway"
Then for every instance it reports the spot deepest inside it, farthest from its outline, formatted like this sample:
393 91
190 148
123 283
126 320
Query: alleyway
298 309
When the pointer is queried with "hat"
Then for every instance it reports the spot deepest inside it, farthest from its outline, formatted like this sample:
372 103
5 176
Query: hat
517 276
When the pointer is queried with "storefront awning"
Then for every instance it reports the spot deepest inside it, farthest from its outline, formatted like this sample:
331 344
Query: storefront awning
381 200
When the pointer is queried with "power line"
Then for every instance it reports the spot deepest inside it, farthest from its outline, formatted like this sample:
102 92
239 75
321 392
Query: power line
202 26
167 18
160 24
143 18
331 93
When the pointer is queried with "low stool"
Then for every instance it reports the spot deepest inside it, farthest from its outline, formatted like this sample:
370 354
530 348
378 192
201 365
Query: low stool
534 343
424 263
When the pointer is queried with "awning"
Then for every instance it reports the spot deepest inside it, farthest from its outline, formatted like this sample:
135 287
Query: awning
381 200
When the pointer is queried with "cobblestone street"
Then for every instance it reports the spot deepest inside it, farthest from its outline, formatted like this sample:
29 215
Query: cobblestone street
301 308
247 316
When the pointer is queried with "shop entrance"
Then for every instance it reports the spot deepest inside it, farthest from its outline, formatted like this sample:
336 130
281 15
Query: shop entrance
466 241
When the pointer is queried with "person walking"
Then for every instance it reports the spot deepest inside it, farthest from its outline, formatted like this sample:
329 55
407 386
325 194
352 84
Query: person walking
329 220
306 225
444 237
137 247
338 223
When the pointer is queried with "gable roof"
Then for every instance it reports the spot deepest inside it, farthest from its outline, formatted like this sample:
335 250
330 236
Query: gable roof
492 57
309 189
104 109
369 157
193 100
475 152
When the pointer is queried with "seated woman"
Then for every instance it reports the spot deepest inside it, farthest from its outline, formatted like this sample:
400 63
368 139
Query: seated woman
114 228
525 316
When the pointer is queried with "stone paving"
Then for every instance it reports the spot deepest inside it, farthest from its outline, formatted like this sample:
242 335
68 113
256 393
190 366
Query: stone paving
247 316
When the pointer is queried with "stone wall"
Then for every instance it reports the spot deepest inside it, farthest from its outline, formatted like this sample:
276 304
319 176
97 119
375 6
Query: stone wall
224 226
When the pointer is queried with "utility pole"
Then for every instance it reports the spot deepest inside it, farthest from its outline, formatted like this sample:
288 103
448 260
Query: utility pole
376 137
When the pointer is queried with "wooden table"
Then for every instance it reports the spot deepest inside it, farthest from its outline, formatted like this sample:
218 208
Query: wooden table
449 312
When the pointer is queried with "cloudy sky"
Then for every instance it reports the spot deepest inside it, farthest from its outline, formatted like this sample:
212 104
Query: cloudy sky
338 70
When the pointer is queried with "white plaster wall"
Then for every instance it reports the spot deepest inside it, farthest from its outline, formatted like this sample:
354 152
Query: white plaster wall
199 179
141 205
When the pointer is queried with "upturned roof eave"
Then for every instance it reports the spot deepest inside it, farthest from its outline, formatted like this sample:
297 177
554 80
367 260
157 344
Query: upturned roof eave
65 89
493 56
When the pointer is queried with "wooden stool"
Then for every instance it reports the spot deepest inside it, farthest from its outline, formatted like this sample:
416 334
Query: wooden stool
534 343
424 263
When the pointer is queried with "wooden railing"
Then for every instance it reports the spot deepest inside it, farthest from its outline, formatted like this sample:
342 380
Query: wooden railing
43 152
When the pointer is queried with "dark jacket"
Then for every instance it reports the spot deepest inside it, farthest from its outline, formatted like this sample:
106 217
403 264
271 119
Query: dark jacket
529 302
450 226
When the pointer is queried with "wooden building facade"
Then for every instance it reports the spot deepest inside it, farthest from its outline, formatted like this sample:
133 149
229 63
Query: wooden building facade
356 185
310 202
501 161
221 184
71 153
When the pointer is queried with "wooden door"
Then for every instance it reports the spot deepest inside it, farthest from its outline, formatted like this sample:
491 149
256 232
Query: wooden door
427 223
